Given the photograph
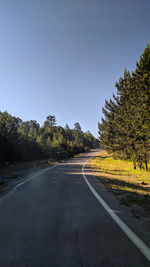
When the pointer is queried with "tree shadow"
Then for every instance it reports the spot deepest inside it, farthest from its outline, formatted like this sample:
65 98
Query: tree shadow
128 193
124 184
112 172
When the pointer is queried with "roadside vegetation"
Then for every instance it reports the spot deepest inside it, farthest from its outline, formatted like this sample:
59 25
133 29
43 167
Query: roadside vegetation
124 131
125 128
130 185
22 141
25 146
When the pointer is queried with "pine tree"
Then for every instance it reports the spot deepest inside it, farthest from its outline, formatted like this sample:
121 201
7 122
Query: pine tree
141 79
125 130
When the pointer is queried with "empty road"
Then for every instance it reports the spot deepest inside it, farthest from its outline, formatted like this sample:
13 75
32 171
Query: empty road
54 220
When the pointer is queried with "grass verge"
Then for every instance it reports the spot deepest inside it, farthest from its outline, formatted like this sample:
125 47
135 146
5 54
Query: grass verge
131 186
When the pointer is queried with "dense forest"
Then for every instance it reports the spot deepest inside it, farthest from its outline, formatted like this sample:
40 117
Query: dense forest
125 128
26 140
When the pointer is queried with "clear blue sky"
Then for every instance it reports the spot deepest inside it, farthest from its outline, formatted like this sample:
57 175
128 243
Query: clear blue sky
63 57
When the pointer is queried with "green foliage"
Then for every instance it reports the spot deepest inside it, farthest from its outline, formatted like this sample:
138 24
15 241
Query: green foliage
77 127
50 121
125 130
9 137
21 141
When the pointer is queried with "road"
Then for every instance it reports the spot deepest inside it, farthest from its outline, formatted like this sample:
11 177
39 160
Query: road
54 220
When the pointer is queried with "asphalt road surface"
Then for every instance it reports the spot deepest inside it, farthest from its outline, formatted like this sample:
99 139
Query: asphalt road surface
54 220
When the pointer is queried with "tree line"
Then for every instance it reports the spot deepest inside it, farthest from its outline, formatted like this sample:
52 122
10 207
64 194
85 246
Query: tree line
26 140
125 128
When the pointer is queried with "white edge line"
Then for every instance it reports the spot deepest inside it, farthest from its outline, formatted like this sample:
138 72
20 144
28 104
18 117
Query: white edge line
36 175
131 235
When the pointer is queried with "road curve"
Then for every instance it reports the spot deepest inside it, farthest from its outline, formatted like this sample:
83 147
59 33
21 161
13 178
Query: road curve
54 220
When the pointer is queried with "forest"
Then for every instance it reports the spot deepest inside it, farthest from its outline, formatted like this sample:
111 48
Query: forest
27 140
125 128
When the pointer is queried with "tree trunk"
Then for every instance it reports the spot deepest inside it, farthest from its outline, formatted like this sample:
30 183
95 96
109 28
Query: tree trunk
146 167
134 165
140 165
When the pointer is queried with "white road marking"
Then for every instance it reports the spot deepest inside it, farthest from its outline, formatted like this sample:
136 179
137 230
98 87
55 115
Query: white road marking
36 175
131 235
